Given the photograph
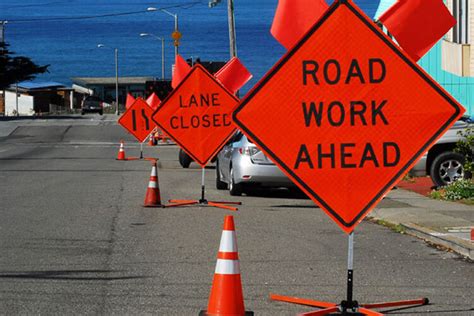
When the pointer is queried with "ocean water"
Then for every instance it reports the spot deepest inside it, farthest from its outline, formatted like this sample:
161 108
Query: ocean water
69 44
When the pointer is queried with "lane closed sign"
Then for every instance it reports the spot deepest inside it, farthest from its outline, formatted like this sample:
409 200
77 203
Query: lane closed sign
197 115
345 114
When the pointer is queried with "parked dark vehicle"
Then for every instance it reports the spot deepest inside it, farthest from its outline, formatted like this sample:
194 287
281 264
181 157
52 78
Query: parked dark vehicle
185 160
442 163
92 104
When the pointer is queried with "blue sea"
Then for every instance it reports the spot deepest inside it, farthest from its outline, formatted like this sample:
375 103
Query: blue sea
65 35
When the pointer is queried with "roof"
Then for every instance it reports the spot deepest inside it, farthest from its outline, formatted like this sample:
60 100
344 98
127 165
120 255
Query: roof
28 85
85 81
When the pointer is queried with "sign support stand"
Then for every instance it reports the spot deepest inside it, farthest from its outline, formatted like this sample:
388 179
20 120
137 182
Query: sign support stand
349 306
203 201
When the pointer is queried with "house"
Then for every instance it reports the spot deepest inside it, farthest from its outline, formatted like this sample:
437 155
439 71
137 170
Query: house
36 98
445 62
104 87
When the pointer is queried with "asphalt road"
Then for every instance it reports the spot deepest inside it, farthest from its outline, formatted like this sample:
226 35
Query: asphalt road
75 240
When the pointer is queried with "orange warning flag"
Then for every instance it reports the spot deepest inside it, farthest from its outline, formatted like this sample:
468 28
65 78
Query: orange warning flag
418 24
153 101
233 75
181 69
293 18
130 101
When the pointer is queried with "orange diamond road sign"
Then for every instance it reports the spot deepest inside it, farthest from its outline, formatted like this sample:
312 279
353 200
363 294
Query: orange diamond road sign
197 115
137 119
345 114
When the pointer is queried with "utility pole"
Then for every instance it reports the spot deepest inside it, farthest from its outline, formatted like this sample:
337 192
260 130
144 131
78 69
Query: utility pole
2 41
176 35
232 41
117 110
16 99
231 20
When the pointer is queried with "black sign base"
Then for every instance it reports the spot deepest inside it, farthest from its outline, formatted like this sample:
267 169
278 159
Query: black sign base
349 306
203 201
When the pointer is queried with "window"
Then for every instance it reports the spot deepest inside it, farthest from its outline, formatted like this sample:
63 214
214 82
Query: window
461 29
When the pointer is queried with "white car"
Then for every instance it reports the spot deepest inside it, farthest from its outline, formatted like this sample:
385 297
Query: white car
241 166
441 162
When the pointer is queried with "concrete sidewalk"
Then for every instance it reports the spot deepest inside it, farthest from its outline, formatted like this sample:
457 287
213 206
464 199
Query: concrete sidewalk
8 124
447 224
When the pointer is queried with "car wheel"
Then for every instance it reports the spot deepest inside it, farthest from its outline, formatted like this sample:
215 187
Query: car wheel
184 159
447 168
235 189
82 113
101 112
220 185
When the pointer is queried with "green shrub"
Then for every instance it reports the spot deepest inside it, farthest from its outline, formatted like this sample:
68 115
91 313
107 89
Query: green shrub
459 190
462 189
465 147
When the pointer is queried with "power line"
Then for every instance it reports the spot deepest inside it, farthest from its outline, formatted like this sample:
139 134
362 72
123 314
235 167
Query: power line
33 5
88 17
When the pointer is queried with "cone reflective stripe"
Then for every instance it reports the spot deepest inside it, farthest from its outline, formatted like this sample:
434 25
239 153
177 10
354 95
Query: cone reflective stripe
226 296
153 178
153 197
228 256
121 153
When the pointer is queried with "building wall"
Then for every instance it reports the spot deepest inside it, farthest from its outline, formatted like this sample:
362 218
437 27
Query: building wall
471 34
2 103
461 88
25 104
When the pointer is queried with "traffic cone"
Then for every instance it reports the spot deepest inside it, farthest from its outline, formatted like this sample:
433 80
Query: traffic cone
121 153
152 197
226 298
151 140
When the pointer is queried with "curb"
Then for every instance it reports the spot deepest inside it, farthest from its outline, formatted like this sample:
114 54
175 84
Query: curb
458 245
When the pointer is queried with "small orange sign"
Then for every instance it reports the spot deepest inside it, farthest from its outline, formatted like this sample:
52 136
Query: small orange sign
345 114
197 115
137 119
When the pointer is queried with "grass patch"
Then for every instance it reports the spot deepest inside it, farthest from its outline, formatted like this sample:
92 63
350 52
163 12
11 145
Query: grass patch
408 178
394 227
467 202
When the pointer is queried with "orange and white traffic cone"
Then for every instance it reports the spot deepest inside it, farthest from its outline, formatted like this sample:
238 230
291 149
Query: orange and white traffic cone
152 197
151 140
121 153
226 296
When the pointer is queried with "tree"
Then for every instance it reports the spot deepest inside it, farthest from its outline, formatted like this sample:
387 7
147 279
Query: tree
16 69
